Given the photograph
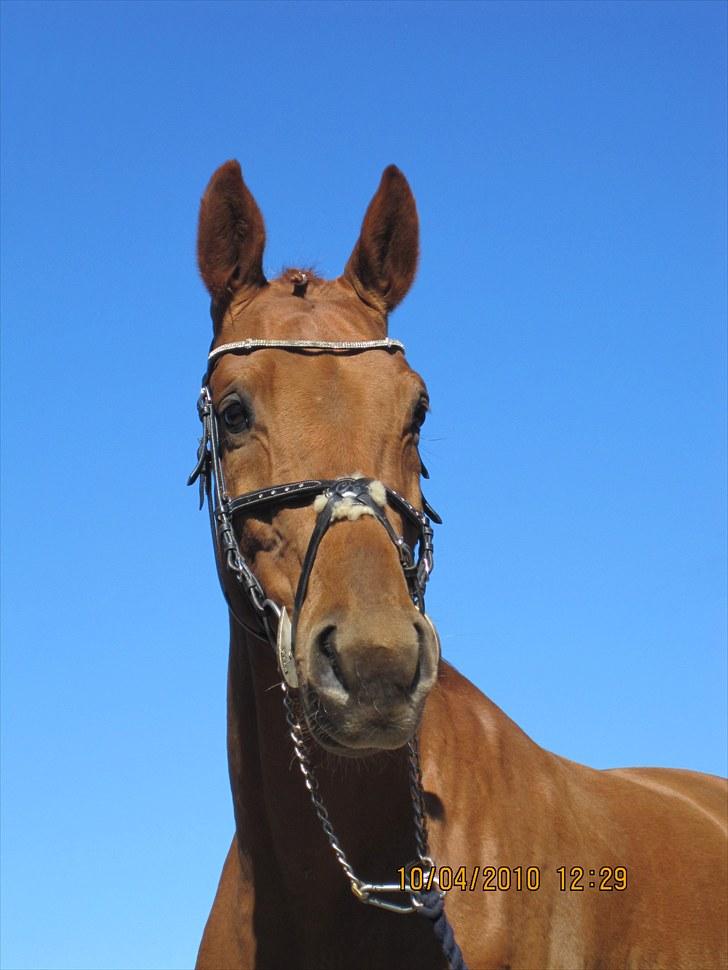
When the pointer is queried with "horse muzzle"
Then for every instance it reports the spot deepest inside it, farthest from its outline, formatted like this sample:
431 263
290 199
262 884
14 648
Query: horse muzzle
365 679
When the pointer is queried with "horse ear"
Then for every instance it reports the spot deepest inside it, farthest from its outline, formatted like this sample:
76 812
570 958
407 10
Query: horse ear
230 236
384 261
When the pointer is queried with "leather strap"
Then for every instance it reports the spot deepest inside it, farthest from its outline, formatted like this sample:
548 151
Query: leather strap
278 495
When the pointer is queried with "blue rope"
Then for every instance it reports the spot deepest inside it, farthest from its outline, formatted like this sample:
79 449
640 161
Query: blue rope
432 906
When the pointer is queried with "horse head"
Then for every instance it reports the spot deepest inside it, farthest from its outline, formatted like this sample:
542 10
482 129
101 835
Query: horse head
365 653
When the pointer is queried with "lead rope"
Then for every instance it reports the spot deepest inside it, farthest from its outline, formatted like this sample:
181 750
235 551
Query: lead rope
427 902
431 901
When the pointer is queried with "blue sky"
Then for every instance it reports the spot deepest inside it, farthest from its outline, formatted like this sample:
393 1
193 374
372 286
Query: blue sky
569 163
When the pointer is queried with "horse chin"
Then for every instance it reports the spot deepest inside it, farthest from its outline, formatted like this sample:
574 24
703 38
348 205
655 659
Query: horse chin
360 738
365 749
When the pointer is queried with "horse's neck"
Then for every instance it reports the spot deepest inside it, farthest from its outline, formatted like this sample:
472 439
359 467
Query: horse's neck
469 750
368 800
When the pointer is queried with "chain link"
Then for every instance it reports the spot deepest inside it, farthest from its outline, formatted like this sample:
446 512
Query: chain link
304 763
359 887
418 803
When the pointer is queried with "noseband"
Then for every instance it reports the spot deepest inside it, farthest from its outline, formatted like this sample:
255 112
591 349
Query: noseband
333 499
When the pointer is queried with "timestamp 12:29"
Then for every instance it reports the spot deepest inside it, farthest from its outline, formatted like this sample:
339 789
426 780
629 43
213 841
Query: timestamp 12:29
605 879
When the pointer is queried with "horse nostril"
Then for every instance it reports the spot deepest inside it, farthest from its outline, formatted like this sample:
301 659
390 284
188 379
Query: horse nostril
418 674
326 644
425 642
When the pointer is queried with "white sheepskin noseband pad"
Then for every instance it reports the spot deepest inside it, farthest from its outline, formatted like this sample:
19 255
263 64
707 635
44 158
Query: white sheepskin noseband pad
378 493
349 508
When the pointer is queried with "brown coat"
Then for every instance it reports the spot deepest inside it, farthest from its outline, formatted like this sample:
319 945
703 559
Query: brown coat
554 865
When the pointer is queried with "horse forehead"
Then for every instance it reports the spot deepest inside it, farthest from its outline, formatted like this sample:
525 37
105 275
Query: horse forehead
366 382
328 311
361 384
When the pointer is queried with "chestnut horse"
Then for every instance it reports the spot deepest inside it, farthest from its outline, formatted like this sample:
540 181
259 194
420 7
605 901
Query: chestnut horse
548 863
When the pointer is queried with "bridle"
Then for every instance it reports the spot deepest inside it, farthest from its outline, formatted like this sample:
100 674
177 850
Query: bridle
344 497
332 499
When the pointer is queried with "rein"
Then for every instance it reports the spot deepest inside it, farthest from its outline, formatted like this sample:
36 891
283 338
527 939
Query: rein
332 499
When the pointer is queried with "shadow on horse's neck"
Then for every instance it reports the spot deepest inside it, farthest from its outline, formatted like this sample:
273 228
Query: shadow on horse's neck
368 799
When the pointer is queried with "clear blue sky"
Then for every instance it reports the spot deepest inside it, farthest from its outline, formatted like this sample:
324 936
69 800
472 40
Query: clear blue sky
569 164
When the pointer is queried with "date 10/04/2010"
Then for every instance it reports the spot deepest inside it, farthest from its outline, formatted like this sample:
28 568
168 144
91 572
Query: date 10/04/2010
575 879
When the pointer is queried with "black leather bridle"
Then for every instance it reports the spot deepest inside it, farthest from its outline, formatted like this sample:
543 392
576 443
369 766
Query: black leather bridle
334 499
345 497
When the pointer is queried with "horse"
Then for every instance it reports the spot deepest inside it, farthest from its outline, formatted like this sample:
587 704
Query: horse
411 778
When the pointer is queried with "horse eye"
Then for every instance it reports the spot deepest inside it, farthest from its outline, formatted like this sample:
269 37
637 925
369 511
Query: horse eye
236 417
419 414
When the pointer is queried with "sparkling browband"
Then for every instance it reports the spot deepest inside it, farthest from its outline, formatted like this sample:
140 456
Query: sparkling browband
254 343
